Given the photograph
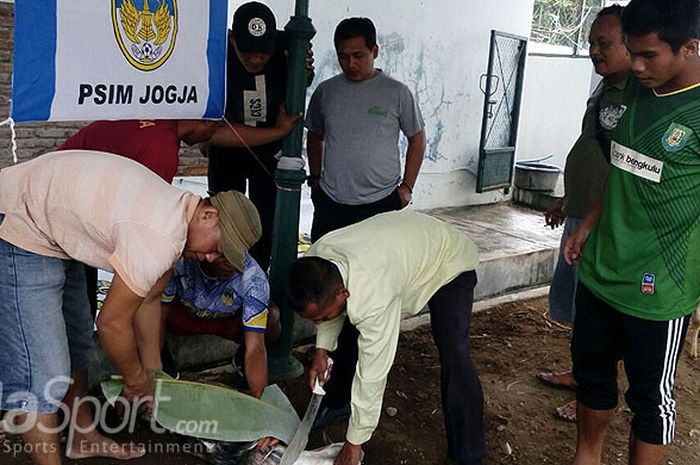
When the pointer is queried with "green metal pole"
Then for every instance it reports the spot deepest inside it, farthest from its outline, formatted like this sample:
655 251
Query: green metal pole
281 364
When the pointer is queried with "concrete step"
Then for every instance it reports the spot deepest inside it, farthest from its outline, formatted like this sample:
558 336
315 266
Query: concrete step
516 249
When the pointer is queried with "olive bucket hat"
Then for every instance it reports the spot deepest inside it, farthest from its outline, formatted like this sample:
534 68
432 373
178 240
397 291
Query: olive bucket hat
240 225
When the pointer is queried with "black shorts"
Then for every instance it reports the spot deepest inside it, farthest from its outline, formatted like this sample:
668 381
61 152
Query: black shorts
650 349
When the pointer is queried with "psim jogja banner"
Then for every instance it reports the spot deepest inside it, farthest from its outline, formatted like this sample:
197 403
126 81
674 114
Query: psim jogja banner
119 59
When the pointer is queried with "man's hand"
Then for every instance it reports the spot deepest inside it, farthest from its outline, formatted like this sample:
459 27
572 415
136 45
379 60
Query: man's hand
320 368
255 362
312 180
350 454
266 442
554 216
314 152
405 194
139 389
285 123
574 244
309 65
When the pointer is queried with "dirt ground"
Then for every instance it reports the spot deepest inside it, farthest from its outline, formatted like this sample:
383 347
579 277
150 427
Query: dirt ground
511 343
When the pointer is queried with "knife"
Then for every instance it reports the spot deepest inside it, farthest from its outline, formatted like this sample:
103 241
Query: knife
301 437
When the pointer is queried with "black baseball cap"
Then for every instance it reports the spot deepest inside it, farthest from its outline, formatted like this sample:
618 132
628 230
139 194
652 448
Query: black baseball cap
254 28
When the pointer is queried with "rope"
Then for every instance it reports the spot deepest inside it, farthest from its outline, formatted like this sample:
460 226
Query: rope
245 144
11 123
285 163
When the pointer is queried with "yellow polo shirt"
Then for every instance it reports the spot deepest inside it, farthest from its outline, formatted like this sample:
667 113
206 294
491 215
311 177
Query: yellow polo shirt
392 264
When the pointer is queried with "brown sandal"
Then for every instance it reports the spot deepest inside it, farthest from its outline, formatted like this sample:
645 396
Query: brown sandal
551 380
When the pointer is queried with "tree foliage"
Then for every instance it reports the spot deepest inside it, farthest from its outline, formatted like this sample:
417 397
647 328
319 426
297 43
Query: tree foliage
564 22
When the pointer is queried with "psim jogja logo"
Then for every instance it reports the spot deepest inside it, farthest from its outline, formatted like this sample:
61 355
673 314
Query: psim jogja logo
145 30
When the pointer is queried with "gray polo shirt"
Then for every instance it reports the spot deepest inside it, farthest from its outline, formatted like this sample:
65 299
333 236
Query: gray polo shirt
360 124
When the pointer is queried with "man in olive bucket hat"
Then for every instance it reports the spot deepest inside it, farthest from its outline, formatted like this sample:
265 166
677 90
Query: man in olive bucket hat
137 226
228 297
240 225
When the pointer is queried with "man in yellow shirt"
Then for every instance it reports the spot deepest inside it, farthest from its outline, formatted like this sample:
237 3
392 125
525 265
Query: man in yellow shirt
375 273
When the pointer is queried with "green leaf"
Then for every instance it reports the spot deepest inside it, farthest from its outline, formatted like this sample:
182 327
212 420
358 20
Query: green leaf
217 413
112 387
213 412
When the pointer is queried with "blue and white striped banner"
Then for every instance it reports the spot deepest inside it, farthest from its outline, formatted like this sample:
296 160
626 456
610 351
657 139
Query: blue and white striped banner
119 59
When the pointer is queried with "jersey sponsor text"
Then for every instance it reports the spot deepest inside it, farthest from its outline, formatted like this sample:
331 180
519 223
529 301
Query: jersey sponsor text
636 163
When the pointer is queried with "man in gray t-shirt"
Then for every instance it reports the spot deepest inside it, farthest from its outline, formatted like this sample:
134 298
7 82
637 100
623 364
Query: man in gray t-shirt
354 120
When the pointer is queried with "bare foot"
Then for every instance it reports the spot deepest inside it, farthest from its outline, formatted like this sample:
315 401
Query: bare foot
95 445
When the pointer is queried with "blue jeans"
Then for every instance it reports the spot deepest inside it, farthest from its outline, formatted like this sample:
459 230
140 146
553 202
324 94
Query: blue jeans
562 292
46 331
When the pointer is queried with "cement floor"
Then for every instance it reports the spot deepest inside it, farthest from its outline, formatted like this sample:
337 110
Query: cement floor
502 230
516 249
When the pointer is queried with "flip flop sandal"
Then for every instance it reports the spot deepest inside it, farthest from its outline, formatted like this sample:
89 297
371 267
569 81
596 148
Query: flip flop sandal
549 379
566 412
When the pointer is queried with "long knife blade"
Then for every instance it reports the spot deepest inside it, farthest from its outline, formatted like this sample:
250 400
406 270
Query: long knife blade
301 437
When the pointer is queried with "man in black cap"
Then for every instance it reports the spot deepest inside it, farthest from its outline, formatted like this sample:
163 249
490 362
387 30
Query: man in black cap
256 90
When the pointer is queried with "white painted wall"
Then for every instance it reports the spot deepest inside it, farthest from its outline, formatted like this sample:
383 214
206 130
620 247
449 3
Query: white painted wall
554 100
440 49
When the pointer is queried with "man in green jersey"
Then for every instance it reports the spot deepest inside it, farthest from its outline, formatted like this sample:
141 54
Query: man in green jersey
640 270
586 170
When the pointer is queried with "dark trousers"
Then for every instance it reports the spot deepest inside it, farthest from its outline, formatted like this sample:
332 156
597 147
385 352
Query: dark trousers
329 216
462 397
91 284
232 171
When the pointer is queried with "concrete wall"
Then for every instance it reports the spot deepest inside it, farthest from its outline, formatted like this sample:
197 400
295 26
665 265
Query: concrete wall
554 100
439 49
